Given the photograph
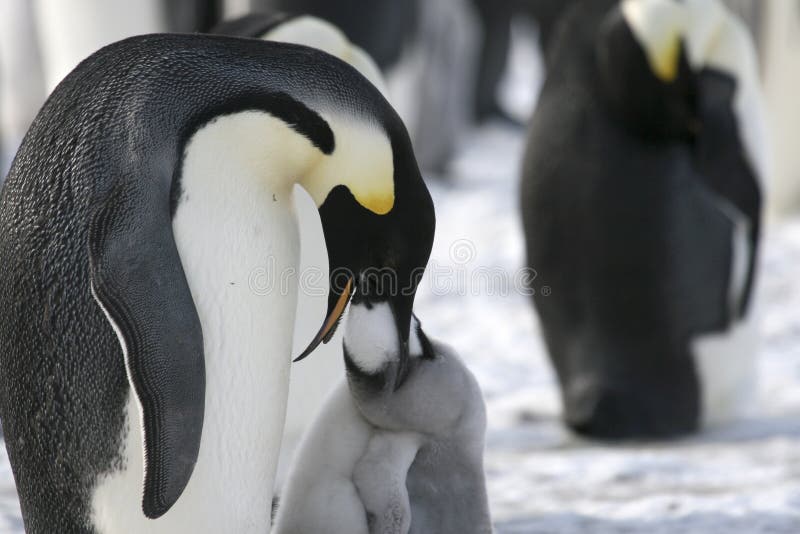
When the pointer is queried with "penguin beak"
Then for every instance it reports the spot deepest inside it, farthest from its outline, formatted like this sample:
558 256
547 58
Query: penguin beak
400 303
377 257
336 306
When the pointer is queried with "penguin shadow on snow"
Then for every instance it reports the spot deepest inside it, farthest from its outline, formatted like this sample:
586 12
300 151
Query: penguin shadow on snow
397 448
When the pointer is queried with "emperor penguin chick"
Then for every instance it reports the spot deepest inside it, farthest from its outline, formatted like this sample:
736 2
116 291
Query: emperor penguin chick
398 447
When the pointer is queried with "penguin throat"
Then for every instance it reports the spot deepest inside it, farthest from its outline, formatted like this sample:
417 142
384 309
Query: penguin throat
371 337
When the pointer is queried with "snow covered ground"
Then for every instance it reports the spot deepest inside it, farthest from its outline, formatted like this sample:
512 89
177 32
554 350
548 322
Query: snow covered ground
741 479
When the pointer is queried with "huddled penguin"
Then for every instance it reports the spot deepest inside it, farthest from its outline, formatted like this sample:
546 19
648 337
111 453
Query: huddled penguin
146 232
194 15
641 200
382 28
398 447
306 30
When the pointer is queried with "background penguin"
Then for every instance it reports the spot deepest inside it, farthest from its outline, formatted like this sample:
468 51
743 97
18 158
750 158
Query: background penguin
398 448
308 31
134 341
380 27
641 201
495 23
195 15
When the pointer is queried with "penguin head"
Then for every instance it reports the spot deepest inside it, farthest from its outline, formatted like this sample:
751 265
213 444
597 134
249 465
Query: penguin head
653 58
379 239
651 93
377 215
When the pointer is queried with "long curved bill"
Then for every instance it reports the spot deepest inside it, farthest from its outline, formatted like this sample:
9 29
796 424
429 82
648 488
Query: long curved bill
329 326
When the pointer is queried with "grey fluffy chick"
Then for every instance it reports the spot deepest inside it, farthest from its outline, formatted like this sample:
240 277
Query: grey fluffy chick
383 458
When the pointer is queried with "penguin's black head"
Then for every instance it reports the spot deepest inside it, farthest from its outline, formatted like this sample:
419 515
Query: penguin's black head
654 101
378 255
653 57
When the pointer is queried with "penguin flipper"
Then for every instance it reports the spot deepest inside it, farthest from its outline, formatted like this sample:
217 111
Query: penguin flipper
139 282
727 171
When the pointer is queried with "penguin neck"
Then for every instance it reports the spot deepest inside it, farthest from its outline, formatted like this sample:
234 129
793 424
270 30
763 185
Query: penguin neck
251 152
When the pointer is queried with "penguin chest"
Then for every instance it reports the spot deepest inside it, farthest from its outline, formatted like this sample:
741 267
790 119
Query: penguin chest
240 270
238 244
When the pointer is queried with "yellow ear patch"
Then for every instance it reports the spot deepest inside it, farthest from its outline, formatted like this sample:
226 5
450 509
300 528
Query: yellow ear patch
362 161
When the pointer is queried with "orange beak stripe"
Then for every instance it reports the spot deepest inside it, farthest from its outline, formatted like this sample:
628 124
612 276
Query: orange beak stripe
330 321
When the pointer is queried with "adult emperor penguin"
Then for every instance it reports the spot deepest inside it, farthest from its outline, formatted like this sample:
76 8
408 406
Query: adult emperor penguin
398 447
641 201
135 345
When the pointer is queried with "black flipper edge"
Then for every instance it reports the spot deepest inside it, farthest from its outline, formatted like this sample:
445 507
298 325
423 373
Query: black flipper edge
139 282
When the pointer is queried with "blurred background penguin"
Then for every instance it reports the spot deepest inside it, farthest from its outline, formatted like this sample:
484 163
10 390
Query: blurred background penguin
641 201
